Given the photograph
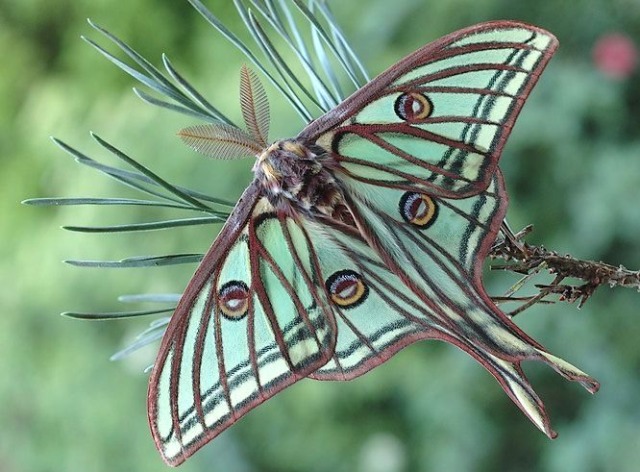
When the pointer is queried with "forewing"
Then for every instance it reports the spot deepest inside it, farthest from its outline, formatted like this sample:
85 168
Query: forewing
251 322
437 121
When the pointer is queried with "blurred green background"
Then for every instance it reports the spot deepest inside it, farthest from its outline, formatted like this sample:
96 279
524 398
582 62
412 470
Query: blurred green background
572 167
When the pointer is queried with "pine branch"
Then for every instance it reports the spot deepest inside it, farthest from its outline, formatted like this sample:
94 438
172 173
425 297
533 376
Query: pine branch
528 260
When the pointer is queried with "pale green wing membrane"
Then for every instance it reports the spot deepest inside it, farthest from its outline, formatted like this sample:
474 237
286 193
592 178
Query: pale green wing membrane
253 320
437 121
418 277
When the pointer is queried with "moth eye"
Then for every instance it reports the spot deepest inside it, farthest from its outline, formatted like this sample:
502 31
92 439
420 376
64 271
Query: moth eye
233 300
347 289
413 106
418 209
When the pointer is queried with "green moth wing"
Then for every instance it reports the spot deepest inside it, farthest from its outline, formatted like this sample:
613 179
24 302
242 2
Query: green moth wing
437 121
420 266
251 322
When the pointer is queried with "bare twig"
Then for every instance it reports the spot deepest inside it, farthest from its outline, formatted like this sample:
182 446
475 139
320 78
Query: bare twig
529 260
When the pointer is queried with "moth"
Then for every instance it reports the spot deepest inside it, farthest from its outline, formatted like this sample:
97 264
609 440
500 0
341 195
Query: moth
363 234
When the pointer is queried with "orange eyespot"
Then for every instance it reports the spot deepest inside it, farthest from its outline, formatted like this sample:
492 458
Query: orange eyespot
418 209
413 106
346 288
233 300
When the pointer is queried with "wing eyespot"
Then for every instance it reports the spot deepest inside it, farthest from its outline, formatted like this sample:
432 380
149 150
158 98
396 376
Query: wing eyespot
413 106
347 289
233 300
418 209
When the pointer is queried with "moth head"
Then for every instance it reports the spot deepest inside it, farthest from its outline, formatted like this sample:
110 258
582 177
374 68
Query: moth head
264 167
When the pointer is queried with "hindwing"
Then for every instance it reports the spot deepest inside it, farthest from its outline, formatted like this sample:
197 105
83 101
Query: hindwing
417 262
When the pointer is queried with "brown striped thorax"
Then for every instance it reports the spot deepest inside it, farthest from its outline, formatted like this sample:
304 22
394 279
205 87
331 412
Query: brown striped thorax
293 175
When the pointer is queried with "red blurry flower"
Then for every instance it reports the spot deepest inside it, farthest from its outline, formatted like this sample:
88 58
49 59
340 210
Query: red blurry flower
615 55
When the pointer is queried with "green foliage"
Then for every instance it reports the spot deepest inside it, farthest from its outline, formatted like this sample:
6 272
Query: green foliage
571 167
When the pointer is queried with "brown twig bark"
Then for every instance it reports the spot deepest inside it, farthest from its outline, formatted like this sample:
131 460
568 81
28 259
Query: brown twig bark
529 260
